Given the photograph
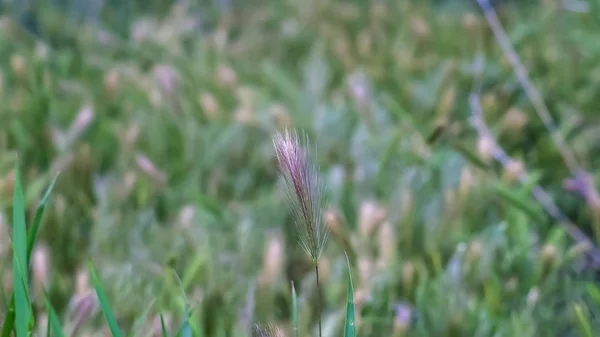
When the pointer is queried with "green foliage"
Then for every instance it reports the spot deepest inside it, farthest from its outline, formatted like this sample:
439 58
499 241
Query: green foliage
162 133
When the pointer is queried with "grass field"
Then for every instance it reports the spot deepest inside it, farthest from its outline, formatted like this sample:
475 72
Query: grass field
159 132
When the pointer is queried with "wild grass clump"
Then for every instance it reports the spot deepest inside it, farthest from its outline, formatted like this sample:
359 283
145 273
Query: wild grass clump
463 209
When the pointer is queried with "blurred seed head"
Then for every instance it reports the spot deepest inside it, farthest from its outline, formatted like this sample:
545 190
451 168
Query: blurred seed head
111 82
81 309
226 76
366 269
304 192
515 120
245 115
408 275
129 180
41 51
41 323
370 215
419 27
470 22
387 244
467 181
513 170
533 296
82 120
548 254
148 167
273 260
167 79
475 250
486 146
40 269
209 105
82 282
186 216
18 64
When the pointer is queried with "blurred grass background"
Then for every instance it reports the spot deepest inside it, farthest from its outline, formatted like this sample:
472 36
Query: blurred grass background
159 116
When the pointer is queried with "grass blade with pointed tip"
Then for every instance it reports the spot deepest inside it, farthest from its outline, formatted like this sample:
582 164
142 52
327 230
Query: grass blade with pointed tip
108 314
35 225
19 243
349 326
294 310
53 323
163 326
31 237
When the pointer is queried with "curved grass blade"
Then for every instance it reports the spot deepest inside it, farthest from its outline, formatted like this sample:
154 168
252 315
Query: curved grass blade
349 326
35 225
108 313
54 323
294 310
163 327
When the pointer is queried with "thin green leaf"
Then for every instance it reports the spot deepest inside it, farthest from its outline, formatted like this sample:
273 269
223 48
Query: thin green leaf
106 309
35 225
163 326
19 241
349 326
54 323
294 310
584 324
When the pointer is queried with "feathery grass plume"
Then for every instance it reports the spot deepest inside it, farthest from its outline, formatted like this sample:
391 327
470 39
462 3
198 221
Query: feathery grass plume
304 192
303 189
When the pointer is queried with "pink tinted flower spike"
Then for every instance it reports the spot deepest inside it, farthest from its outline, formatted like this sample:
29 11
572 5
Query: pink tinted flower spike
303 190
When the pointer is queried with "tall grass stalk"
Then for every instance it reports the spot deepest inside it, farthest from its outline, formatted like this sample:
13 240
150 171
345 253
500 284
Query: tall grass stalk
304 193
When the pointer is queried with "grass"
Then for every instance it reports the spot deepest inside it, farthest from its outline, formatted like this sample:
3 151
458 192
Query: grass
162 134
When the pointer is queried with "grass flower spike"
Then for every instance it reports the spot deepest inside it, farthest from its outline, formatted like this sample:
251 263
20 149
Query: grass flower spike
304 192
303 189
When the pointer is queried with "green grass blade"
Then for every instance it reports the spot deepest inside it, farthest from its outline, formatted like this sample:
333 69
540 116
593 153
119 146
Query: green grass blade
31 237
294 310
53 322
584 324
108 313
141 319
19 242
35 225
349 326
163 326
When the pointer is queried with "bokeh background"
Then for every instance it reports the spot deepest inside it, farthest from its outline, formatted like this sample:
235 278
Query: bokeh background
159 117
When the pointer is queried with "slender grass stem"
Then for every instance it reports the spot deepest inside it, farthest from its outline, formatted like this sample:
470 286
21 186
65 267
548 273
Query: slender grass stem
318 297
